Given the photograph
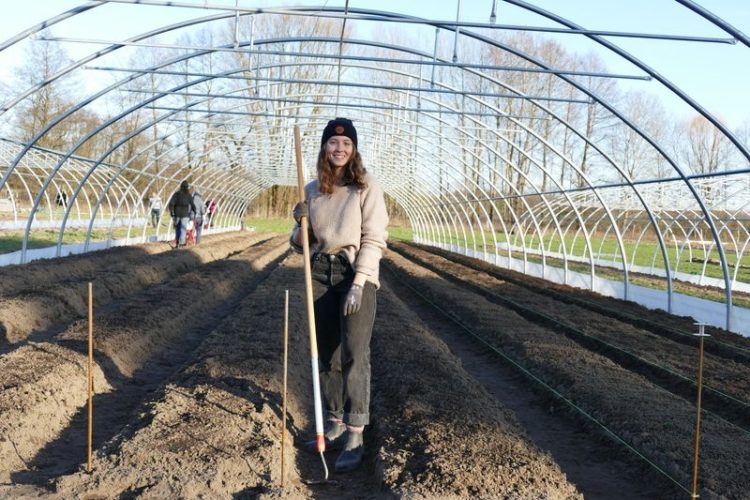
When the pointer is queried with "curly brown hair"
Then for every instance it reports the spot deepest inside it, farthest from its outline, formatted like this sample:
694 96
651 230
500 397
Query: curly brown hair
354 172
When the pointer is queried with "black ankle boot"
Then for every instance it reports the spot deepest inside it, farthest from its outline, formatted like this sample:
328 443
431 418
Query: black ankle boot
335 437
354 450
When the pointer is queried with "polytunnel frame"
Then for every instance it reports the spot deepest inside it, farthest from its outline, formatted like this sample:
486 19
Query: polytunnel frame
463 94
686 98
34 163
186 84
517 94
532 184
715 20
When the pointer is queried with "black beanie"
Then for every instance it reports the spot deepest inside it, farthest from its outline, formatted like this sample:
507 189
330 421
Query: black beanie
339 126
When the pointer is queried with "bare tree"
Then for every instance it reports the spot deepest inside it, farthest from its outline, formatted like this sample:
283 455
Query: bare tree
629 149
705 148
41 61
743 135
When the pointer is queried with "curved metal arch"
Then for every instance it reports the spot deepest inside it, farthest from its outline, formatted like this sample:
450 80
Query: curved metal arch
144 149
439 104
622 53
709 221
212 18
392 47
194 103
218 174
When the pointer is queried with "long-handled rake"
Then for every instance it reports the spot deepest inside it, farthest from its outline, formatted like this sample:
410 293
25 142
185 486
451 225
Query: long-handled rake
320 437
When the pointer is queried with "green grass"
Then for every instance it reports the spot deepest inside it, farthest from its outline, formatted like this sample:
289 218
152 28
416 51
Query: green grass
269 225
285 226
642 255
400 233
11 241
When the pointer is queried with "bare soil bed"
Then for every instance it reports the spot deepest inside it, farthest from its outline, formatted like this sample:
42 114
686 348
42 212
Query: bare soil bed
188 383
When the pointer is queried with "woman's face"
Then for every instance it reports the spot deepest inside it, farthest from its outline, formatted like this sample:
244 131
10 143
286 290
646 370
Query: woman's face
339 150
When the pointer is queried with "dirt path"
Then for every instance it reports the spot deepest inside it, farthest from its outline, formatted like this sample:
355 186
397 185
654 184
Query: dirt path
194 411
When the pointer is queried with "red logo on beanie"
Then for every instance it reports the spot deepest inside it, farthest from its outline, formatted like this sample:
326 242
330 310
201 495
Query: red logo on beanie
339 129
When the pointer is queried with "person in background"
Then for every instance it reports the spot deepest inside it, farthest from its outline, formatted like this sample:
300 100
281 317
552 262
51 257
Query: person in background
211 206
180 207
62 199
348 219
154 206
197 214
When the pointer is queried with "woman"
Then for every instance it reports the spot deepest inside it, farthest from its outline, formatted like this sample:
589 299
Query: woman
348 219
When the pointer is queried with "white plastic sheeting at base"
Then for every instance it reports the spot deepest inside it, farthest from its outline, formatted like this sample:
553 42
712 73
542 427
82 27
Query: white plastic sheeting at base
705 311
71 223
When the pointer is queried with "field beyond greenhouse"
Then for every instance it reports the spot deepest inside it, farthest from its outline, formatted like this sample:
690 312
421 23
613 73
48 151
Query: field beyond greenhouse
486 383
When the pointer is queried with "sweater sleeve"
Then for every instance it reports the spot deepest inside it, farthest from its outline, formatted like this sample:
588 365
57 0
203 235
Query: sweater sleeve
374 229
295 247
310 190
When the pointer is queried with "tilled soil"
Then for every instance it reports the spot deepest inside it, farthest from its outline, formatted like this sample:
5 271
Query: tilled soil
189 369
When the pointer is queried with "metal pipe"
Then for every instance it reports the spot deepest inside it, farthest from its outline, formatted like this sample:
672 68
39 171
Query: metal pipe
361 85
427 62
372 15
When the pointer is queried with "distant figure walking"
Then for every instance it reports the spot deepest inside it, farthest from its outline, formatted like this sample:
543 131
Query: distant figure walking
211 206
180 208
154 206
61 199
198 214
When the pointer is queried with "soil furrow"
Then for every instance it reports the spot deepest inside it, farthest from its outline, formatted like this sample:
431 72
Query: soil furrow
678 328
669 364
188 393
589 464
650 419
221 414
52 302
134 341
216 423
442 434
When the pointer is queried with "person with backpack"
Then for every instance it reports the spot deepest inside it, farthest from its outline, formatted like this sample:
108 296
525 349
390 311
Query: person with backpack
180 208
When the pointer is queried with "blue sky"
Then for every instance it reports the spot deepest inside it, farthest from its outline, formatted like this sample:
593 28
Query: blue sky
716 75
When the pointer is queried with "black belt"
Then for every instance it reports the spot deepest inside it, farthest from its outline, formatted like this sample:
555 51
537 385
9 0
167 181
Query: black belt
328 257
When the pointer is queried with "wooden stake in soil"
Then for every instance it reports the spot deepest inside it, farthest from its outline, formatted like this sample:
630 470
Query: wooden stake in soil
90 377
320 438
283 390
697 443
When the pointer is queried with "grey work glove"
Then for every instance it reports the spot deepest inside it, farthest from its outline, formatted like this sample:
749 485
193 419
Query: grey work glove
299 211
175 220
353 300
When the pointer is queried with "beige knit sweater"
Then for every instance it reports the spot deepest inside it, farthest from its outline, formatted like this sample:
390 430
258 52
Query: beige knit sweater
348 221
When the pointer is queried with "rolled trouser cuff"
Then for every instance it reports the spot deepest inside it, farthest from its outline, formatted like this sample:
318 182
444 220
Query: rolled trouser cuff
356 419
336 415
